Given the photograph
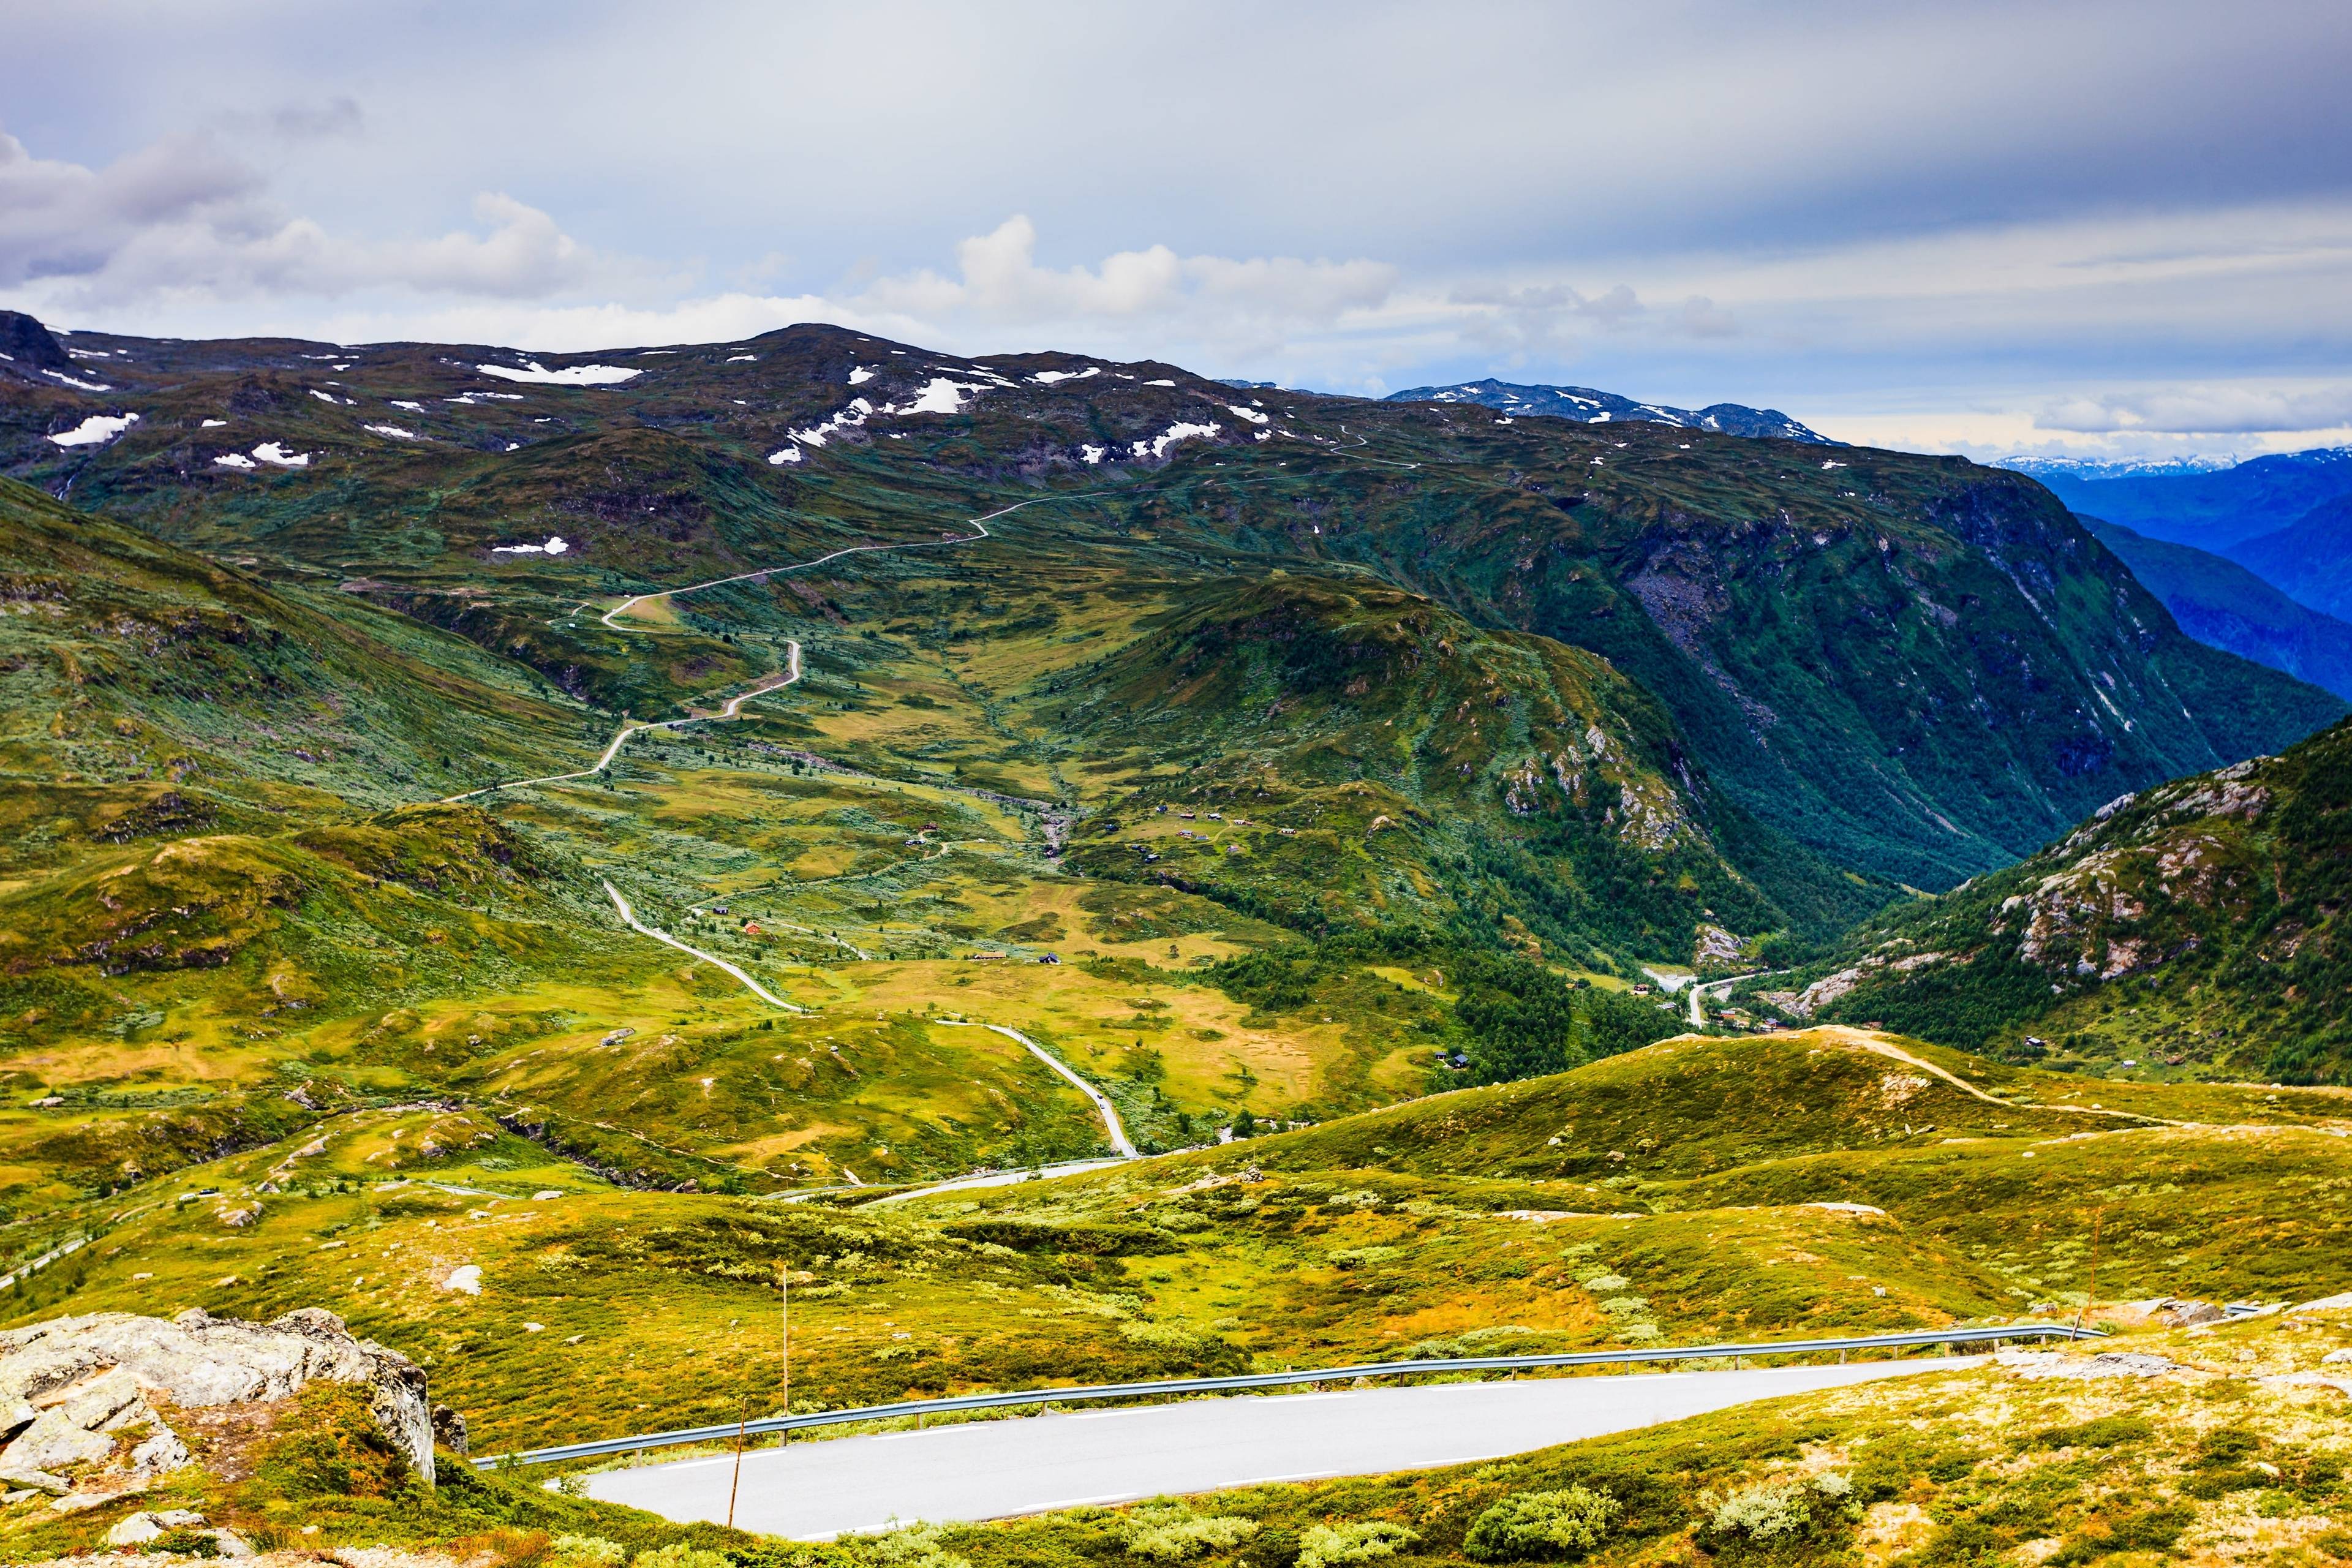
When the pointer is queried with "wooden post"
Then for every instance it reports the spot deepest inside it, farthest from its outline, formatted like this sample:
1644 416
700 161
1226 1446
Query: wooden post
743 1413
2092 1293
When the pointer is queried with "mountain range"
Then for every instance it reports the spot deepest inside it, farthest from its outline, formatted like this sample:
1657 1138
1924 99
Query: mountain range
2222 603
1915 666
481 826
1590 406
1176 663
2220 511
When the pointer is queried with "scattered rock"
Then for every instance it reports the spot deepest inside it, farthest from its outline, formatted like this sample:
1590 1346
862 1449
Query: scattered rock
146 1526
2309 1379
2325 1304
56 1441
95 1379
2336 1358
2187 1314
450 1429
24 1477
2106 1363
467 1280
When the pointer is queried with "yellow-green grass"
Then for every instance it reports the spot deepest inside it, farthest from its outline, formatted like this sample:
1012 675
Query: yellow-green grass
673 1298
1693 1104
1252 1254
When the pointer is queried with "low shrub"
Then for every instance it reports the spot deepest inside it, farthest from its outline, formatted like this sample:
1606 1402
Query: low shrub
1331 1545
1536 1527
680 1555
1172 1532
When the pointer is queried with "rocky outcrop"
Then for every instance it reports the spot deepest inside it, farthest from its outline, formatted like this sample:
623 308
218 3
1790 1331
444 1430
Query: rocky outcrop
80 1396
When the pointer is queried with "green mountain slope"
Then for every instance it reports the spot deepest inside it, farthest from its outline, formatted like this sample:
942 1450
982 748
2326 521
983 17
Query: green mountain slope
150 689
2196 926
2224 605
1917 667
1352 754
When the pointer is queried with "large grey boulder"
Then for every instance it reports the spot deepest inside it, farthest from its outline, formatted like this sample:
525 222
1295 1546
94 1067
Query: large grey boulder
70 1386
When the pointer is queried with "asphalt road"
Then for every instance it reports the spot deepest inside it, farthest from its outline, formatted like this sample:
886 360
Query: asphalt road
989 1470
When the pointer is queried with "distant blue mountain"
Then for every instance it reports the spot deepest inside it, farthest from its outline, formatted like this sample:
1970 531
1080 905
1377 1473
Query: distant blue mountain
1588 406
2213 510
2311 558
2222 605
2086 468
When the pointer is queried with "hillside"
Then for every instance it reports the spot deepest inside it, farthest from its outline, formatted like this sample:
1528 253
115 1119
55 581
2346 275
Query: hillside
1590 406
2194 927
1697 1190
1369 747
1915 666
2224 605
1939 639
2310 558
153 689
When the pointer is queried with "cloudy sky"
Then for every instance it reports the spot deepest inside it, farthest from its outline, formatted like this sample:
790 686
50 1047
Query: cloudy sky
1984 227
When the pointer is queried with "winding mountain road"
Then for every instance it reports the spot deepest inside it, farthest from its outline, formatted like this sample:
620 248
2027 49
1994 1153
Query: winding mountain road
1111 1124
629 918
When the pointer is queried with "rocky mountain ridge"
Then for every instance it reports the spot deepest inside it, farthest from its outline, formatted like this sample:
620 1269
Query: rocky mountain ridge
1590 406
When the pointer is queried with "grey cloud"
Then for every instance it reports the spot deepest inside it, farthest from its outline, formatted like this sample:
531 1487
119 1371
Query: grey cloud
1701 317
59 219
335 117
183 216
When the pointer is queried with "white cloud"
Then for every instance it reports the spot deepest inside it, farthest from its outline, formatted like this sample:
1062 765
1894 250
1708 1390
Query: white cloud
1149 303
999 284
2200 411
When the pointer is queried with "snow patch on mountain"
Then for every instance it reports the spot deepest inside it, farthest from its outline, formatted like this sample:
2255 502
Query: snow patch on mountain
95 431
816 434
570 375
940 395
1157 446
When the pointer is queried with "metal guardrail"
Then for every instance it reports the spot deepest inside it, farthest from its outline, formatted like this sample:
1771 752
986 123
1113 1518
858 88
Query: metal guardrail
768 1424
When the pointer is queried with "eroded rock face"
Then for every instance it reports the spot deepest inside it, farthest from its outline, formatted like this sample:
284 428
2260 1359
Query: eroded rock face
80 1395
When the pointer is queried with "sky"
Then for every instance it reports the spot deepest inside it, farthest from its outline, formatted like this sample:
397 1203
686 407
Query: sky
2069 225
